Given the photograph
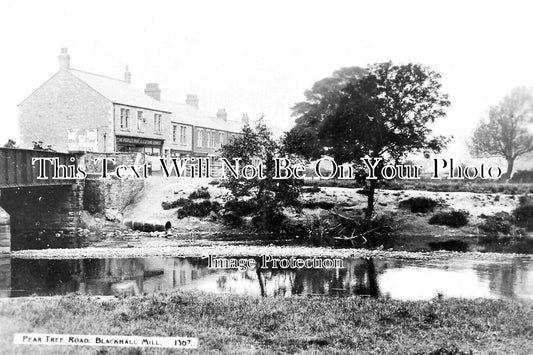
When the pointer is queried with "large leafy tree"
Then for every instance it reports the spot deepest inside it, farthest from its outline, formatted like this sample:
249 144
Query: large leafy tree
508 131
267 195
383 111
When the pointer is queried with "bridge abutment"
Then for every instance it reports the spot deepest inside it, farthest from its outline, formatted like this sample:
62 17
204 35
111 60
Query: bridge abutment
5 231
40 216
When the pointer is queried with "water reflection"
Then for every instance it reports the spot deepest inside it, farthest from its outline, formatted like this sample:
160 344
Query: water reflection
399 279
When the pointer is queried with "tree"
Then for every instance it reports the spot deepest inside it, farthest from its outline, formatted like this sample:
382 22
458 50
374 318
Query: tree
383 111
268 195
506 132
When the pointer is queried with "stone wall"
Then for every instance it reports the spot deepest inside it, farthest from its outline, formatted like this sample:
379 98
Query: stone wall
112 193
43 216
92 167
5 231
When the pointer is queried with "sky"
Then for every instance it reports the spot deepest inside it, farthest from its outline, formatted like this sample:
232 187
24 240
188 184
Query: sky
259 57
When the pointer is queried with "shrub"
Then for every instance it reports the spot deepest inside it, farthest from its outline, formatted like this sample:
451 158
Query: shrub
419 204
241 207
232 219
202 192
167 205
200 209
499 223
318 204
453 218
523 176
524 212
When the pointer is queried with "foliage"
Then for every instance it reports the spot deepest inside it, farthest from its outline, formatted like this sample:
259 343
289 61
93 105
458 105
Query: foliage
455 218
198 209
506 133
499 223
167 205
383 111
524 212
271 196
242 207
522 176
420 204
201 192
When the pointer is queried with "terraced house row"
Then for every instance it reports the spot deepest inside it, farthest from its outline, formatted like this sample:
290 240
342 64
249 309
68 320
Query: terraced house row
79 111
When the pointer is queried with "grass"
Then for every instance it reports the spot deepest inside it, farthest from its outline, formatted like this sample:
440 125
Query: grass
243 325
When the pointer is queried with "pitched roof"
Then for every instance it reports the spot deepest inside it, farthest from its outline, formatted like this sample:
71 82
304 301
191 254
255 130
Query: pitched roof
118 91
187 114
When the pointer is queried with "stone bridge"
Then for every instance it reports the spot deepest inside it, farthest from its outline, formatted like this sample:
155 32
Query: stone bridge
30 206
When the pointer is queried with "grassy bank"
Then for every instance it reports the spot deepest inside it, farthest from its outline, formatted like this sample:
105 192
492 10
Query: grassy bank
237 324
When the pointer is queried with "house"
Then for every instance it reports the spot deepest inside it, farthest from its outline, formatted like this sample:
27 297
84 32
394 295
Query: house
79 111
99 113
197 134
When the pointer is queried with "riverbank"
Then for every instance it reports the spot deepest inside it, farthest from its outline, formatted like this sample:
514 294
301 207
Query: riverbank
185 248
243 325
412 229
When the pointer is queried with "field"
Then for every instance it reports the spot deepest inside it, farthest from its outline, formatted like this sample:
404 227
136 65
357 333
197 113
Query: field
248 325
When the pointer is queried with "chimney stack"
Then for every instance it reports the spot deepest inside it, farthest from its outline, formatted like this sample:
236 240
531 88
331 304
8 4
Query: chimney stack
127 75
153 90
221 113
245 120
192 100
64 60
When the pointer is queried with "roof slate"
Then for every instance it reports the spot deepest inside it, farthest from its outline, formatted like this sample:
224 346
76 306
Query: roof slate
183 113
118 91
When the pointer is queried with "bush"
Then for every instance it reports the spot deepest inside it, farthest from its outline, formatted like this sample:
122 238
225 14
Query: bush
167 205
241 207
454 219
318 204
524 212
499 223
523 176
200 209
202 192
420 204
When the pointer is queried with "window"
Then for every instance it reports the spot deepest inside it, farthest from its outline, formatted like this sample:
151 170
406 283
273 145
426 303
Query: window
157 122
212 142
209 139
139 120
221 139
200 137
174 133
183 135
217 139
124 116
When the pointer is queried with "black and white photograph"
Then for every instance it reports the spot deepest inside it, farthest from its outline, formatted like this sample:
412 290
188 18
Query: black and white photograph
281 177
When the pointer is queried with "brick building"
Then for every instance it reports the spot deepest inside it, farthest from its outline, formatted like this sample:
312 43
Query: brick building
76 110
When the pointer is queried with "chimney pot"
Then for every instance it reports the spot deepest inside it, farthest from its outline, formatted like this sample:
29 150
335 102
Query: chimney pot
127 75
245 119
192 100
153 90
222 114
64 60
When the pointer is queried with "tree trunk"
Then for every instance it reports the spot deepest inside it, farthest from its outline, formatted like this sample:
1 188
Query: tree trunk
510 166
370 202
